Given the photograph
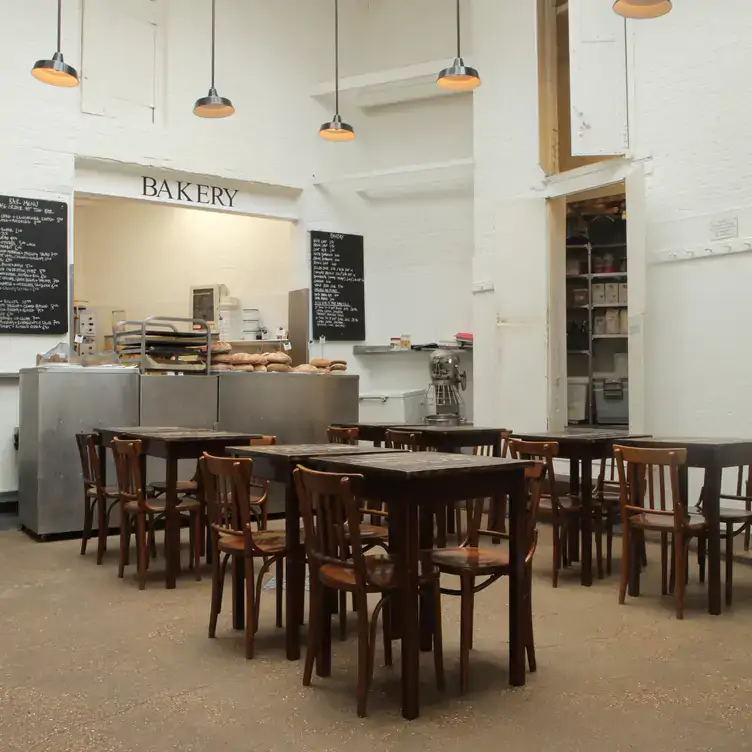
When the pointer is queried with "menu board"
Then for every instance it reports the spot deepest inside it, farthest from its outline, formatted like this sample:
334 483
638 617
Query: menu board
33 266
338 292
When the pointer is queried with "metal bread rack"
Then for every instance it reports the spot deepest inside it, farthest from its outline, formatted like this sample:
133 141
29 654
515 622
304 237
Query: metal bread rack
157 345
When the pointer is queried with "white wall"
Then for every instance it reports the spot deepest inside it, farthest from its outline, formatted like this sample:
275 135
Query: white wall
143 258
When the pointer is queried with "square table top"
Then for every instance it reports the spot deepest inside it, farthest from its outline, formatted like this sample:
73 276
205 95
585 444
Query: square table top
177 433
298 452
410 465
685 441
577 435
449 430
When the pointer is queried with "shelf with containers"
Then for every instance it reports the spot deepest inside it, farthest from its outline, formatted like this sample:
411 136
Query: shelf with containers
597 322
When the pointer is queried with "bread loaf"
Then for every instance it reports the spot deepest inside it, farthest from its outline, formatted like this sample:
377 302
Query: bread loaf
305 368
338 362
239 358
247 367
216 367
221 347
222 358
261 369
320 362
338 367
279 357
278 367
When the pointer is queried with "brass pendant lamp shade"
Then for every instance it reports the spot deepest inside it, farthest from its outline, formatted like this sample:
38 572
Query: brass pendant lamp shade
335 129
56 72
212 105
642 8
458 76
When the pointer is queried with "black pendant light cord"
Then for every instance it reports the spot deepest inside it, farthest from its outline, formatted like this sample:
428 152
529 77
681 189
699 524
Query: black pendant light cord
214 34
59 24
336 57
458 29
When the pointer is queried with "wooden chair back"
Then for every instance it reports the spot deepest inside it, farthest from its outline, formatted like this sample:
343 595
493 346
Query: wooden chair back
331 519
476 511
488 449
648 480
88 444
263 441
127 456
540 451
339 435
409 440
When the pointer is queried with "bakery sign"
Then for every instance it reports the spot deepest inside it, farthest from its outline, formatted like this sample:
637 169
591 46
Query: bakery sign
186 192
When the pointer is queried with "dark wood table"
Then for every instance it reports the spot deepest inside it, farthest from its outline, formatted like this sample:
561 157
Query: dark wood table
581 446
374 431
171 443
416 481
712 455
276 463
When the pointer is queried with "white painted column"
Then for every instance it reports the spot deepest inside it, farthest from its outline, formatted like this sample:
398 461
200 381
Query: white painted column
511 348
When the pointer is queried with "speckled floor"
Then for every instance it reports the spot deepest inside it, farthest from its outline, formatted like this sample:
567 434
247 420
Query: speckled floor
87 662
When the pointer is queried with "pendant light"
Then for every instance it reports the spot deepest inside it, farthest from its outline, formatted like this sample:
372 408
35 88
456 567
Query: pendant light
336 130
458 77
642 8
56 72
212 105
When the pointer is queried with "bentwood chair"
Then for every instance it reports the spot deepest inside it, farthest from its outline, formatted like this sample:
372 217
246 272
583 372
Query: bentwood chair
97 497
145 511
643 477
729 517
226 482
332 519
469 562
607 495
340 435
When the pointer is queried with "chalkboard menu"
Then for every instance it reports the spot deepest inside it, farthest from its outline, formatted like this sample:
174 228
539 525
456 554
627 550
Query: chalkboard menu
33 266
338 297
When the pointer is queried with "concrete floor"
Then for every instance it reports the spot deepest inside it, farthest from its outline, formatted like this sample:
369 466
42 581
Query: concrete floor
87 662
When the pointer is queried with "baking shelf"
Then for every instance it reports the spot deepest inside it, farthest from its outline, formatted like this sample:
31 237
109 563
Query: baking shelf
610 336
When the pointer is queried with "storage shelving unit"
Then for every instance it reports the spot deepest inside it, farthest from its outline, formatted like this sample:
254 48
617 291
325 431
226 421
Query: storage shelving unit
582 341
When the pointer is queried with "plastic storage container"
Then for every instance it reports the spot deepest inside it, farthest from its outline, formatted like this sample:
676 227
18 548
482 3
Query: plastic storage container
577 398
611 400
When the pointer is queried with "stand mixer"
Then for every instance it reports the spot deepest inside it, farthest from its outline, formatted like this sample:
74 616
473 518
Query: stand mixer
443 399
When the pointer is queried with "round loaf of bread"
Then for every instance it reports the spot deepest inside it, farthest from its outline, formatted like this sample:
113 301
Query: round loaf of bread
338 362
279 357
338 367
221 358
320 362
305 368
221 347
261 369
216 367
239 358
257 359
278 368
247 367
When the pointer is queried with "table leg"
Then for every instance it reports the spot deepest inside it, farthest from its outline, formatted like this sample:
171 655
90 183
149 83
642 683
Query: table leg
518 592
410 619
586 495
425 522
711 508
172 523
238 592
294 573
574 491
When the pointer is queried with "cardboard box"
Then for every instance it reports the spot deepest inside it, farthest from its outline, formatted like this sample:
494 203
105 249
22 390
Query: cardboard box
623 321
599 293
612 321
599 323
623 294
612 293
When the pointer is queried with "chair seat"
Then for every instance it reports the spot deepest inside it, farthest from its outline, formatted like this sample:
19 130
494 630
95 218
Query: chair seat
271 542
369 532
728 514
381 571
182 486
110 492
466 558
158 506
648 521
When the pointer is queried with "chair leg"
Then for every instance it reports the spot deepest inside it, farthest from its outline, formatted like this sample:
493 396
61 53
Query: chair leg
191 540
250 607
88 521
672 572
643 551
664 563
216 595
142 553
438 640
343 615
598 529
363 655
680 551
441 525
701 555
530 642
729 562
386 618
466 626
557 555
747 526
314 629
197 542
609 539
152 539
626 563
279 581
125 541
